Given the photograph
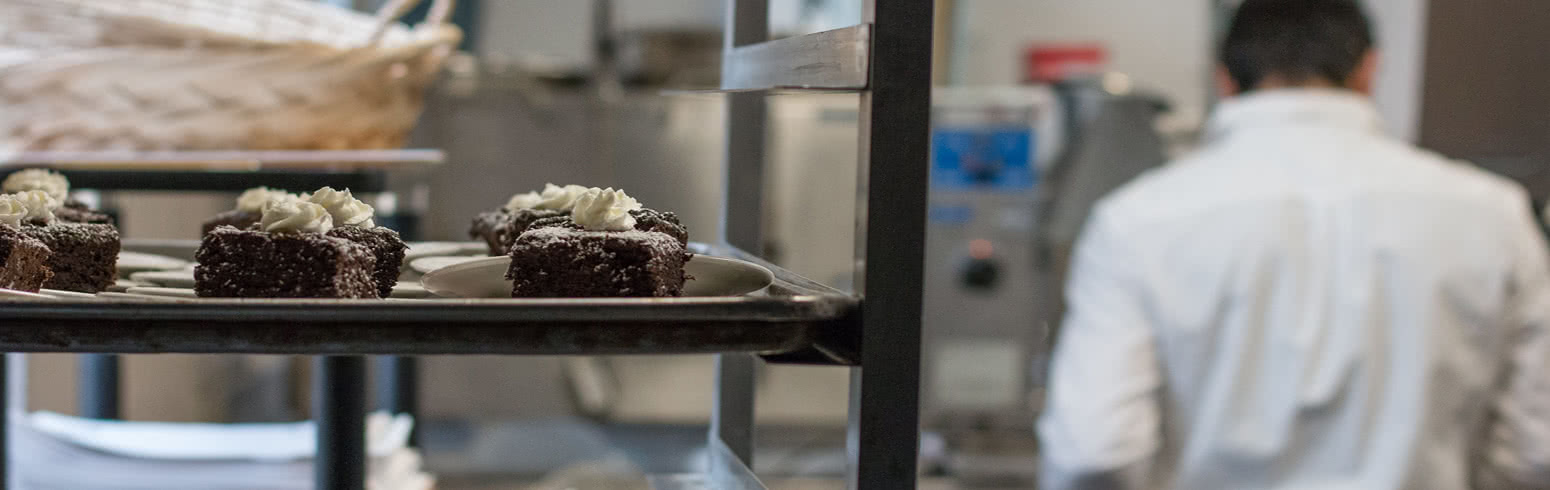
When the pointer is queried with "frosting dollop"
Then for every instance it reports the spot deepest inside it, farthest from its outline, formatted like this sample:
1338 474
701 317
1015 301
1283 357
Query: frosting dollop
560 198
253 200
12 210
526 200
295 216
37 179
605 210
345 208
40 206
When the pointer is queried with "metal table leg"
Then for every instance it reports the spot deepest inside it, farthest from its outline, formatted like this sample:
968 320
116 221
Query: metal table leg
731 420
398 389
99 383
339 406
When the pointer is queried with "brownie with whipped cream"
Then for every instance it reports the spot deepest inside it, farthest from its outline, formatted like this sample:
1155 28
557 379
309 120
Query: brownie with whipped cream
499 228
599 253
58 187
23 260
354 221
289 255
83 256
249 208
73 211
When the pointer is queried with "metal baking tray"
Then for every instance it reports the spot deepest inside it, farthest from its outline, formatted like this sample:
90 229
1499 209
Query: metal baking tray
795 320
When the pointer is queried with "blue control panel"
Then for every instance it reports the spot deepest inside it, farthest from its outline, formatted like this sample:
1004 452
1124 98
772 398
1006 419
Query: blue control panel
998 158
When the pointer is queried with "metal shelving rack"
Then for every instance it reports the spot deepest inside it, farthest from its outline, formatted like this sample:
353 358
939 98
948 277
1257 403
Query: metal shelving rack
875 332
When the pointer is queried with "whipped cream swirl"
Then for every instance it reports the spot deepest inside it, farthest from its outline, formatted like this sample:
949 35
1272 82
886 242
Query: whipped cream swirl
526 200
560 198
295 216
253 200
40 206
345 208
605 210
12 210
37 179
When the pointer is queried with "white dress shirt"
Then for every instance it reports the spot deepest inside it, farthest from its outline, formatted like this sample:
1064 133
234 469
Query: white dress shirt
1305 303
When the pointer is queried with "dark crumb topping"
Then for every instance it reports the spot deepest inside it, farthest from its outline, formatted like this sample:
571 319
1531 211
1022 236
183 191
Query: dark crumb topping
385 245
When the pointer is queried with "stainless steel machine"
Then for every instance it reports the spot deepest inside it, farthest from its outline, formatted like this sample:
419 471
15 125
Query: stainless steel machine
1015 171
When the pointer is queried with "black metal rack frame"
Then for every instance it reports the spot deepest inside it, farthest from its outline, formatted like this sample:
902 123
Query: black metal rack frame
875 332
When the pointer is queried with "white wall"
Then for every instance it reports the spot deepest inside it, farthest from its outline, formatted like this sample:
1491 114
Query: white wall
1402 55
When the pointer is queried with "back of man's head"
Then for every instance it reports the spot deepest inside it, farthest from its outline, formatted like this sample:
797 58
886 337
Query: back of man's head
1297 43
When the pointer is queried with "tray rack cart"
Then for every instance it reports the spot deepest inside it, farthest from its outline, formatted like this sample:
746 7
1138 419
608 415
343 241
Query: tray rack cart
874 331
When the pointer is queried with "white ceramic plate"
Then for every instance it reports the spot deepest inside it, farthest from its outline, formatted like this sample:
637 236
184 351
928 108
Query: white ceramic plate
427 264
122 285
443 249
66 294
409 290
109 295
486 278
164 292
12 294
182 278
132 262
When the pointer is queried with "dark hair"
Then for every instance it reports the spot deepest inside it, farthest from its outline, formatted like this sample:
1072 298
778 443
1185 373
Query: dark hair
1299 40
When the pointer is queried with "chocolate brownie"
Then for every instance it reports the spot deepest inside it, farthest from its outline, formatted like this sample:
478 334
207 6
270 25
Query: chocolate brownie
236 218
559 262
645 220
23 261
386 247
74 211
84 258
499 228
255 264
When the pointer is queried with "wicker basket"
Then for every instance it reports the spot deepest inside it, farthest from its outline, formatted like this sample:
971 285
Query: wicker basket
213 74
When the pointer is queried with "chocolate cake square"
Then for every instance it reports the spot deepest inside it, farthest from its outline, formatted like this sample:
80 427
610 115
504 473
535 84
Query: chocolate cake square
23 261
74 211
255 264
385 246
84 258
499 228
235 218
559 262
645 220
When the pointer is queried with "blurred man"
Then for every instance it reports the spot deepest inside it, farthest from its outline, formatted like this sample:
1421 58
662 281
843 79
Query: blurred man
1306 302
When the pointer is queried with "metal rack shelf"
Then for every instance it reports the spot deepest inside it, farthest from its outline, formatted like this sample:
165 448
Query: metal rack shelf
792 318
875 331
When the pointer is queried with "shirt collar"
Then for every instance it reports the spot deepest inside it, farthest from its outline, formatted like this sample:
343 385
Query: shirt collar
1328 108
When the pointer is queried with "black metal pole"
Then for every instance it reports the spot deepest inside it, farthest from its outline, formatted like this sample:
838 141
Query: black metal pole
5 421
339 406
895 129
99 383
398 389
